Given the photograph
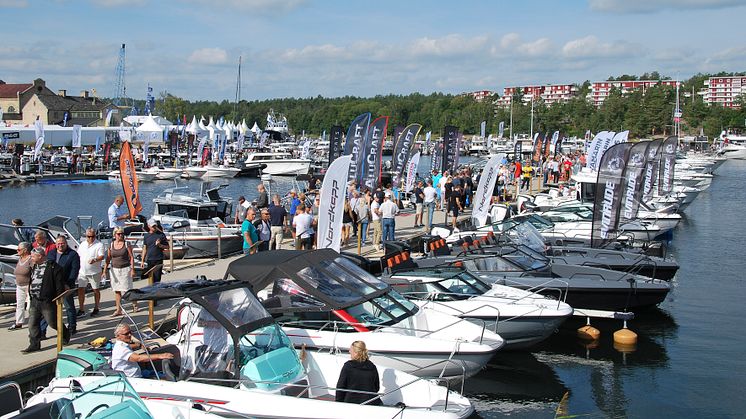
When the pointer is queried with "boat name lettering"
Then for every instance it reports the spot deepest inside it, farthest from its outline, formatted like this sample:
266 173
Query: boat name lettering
488 181
331 214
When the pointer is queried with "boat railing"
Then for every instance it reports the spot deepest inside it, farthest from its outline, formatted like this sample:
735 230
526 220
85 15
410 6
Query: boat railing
544 288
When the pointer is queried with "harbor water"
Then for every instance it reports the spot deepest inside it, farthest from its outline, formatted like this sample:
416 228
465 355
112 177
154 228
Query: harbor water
688 360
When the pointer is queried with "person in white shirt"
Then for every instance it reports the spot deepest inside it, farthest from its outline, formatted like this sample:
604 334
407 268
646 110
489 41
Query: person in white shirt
442 186
91 253
123 356
431 195
388 212
303 223
375 216
117 213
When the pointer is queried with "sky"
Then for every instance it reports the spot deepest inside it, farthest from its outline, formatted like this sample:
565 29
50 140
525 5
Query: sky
305 48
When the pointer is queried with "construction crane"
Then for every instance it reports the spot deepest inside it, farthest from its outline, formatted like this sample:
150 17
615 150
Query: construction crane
120 90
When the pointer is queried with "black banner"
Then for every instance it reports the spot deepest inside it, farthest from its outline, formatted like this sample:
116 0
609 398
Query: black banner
335 142
668 162
370 172
538 140
402 151
173 144
651 169
437 157
517 151
608 194
354 144
547 143
397 131
450 148
633 175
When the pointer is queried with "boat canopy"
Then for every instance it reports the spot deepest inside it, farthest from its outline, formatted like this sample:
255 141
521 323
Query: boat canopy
319 280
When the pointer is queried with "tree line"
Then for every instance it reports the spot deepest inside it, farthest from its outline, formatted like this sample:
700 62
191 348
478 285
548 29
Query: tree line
645 115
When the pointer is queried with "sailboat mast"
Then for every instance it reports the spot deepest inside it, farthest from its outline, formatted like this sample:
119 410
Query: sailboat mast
238 88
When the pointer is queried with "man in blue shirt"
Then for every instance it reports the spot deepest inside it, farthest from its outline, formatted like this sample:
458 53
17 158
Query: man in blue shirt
118 212
248 232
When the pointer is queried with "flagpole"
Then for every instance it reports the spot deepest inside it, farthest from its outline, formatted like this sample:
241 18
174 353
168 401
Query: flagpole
532 116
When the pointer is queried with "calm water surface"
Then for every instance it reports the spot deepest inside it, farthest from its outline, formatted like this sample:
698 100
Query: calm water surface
689 360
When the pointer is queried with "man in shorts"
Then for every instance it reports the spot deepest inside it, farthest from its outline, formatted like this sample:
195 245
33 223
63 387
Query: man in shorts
419 199
91 253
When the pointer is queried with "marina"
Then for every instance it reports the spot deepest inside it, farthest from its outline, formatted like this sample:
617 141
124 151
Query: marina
560 374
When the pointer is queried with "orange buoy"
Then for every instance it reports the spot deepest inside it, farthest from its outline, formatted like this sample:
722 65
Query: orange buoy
588 332
625 337
625 349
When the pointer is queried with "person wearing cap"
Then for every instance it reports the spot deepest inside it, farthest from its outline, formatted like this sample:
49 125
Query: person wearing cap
294 202
388 217
47 282
154 243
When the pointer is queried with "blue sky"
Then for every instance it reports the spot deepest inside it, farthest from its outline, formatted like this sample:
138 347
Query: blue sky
302 48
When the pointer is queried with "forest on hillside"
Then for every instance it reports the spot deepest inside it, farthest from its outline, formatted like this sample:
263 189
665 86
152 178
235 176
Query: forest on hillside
645 115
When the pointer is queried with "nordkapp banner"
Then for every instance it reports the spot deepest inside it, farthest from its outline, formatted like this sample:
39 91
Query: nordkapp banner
483 195
412 171
331 207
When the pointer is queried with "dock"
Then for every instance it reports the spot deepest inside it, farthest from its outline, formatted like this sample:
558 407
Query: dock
26 368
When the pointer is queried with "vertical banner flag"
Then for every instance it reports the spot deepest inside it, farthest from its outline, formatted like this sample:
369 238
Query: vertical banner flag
223 145
354 142
109 114
608 193
412 165
633 173
200 148
306 150
483 129
459 144
517 151
335 142
606 142
98 145
125 135
331 207
668 162
427 142
129 180
370 172
397 131
489 143
402 150
592 151
437 157
651 169
483 195
555 139
107 152
65 118
39 131
621 137
538 141
547 143
77 136
501 129
450 148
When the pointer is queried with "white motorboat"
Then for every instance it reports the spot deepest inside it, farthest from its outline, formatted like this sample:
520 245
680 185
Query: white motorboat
164 173
194 172
231 356
221 171
733 146
142 176
326 302
521 317
279 163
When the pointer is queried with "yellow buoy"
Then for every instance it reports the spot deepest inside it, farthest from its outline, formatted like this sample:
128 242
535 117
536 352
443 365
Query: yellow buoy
625 349
589 332
625 337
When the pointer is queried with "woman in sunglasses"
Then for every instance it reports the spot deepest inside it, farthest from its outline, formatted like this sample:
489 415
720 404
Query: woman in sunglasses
122 270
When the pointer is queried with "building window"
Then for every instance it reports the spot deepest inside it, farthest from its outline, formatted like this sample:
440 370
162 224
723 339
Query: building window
11 109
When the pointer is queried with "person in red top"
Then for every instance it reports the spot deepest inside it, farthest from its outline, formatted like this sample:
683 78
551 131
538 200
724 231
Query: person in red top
518 170
567 166
40 240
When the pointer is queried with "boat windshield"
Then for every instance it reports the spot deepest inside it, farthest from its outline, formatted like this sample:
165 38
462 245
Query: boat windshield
492 263
238 305
267 357
101 396
384 310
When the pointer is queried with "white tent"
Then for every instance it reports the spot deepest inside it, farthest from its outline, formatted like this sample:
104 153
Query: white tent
196 128
256 130
212 128
151 130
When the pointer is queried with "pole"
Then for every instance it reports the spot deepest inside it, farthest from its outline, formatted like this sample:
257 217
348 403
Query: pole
60 325
532 116
219 241
359 238
151 305
171 251
511 118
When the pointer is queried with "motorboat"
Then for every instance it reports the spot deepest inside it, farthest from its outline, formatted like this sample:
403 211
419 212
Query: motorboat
103 397
194 172
520 317
142 176
8 285
325 302
279 163
231 356
164 173
203 208
221 171
733 146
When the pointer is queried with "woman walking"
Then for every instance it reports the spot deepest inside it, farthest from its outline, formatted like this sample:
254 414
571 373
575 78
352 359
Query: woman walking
122 271
22 273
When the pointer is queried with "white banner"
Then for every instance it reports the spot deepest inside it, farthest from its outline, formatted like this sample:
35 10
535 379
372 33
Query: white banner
37 148
200 148
77 136
125 136
306 150
414 161
605 143
39 129
483 196
590 156
501 129
331 208
621 137
483 129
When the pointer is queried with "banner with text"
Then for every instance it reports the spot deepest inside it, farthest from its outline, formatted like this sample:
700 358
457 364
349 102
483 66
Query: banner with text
331 206
608 194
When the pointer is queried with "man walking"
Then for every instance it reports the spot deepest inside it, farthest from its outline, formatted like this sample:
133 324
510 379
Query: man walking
278 222
69 261
419 197
47 282
388 213
264 229
248 231
430 196
375 214
91 253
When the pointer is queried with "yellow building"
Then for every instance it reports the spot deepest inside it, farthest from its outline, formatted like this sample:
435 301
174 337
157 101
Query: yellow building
13 98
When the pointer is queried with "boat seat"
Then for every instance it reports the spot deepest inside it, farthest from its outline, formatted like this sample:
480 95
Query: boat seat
10 399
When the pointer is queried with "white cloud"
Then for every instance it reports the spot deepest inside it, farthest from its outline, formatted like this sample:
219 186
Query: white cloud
208 56
262 7
13 3
448 46
647 6
511 44
118 3
592 47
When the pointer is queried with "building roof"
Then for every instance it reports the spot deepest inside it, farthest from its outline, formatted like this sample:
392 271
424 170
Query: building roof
13 90
70 103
